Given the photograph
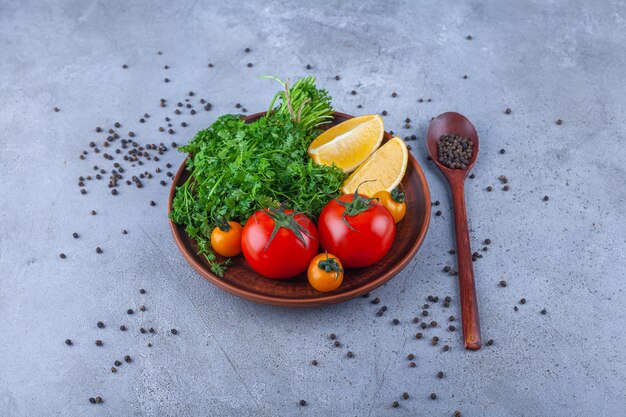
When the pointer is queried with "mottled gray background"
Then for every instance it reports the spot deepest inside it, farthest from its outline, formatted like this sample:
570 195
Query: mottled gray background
544 59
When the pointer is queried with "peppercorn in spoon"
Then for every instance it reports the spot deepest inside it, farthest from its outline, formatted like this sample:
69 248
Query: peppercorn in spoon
452 143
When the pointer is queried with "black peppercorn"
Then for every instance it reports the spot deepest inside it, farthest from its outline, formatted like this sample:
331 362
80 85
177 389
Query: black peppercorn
454 151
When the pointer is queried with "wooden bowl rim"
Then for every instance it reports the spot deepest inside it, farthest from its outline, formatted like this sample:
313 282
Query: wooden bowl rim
324 299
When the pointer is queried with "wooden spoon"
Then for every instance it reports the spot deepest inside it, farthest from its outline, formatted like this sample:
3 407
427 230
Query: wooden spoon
444 124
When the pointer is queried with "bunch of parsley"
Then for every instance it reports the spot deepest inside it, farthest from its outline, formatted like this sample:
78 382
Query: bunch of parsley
237 168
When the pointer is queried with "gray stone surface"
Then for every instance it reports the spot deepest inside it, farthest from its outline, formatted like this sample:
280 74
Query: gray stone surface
544 60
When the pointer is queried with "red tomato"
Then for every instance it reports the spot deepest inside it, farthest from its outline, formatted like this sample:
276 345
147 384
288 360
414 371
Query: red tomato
278 243
356 229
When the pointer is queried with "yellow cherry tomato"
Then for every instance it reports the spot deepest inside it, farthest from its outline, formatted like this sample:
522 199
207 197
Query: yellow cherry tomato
325 272
394 202
226 238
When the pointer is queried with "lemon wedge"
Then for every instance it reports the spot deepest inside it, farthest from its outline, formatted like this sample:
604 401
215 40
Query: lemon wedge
383 170
348 144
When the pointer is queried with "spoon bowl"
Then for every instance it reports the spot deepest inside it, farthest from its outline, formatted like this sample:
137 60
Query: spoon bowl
445 124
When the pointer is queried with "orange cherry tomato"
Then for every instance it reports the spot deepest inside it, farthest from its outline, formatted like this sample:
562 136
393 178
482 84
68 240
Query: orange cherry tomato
394 202
325 272
226 238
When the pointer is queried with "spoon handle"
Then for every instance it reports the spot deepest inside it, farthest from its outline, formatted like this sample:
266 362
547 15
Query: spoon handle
467 288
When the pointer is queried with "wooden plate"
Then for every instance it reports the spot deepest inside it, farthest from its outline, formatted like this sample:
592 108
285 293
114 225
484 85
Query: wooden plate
242 281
